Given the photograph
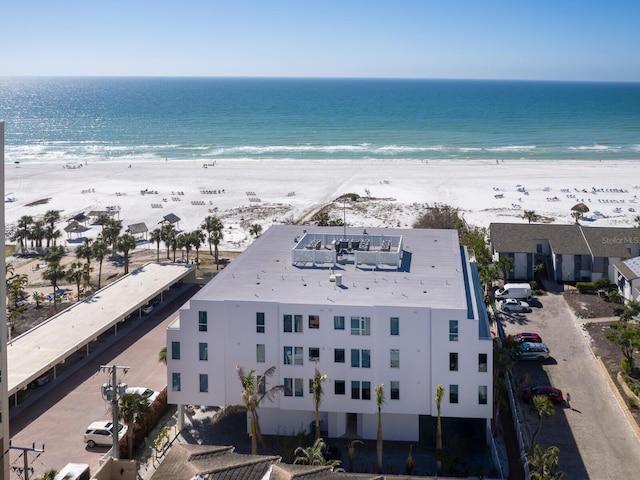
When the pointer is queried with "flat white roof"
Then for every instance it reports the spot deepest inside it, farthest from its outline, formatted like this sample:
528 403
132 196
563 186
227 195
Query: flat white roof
37 351
430 271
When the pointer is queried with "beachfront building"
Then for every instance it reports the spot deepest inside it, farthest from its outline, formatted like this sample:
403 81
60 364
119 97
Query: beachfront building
569 252
4 400
627 278
398 307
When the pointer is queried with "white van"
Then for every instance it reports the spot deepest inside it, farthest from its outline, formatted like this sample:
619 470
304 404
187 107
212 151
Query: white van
518 291
74 471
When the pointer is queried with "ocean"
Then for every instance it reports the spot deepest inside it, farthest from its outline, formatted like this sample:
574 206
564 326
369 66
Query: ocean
136 119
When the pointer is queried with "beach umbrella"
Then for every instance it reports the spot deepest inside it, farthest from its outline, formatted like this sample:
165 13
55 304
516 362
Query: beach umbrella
580 208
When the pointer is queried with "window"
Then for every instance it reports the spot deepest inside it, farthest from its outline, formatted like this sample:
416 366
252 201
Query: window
287 321
482 362
338 323
260 353
453 393
204 382
314 321
260 322
482 394
453 362
175 350
298 353
202 321
355 358
338 355
203 351
394 387
366 358
366 390
394 358
360 326
453 330
288 355
299 389
360 358
288 387
314 354
394 326
175 382
355 390
297 323
339 387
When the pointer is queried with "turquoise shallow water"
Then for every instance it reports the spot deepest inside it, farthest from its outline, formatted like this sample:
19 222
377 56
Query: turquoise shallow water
137 119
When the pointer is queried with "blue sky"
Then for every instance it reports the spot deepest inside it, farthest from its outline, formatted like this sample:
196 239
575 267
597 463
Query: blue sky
516 39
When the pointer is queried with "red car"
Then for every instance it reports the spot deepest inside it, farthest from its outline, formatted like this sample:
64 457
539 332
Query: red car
527 337
553 394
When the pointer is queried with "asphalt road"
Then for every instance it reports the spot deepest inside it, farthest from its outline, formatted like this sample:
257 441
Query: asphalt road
58 414
595 438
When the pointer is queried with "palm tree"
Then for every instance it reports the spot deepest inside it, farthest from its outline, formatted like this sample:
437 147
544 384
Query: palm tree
162 355
99 251
314 455
213 226
156 237
124 244
316 394
75 273
54 273
351 452
505 266
84 250
52 235
439 395
255 230
254 391
49 475
110 233
379 402
54 254
15 288
544 408
50 218
197 239
530 216
22 231
133 410
544 464
168 235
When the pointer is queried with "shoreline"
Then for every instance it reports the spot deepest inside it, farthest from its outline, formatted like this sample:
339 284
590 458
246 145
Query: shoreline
267 192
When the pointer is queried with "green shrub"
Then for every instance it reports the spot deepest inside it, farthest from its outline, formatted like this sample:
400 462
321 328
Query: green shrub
534 285
586 287
604 282
625 366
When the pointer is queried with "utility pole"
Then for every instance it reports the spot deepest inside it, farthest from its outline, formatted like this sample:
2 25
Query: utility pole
25 451
112 390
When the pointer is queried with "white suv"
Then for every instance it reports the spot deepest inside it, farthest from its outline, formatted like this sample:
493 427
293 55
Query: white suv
99 433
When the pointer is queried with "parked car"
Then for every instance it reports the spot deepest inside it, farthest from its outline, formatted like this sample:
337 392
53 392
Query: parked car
531 351
513 305
146 309
527 337
99 433
40 381
149 394
553 394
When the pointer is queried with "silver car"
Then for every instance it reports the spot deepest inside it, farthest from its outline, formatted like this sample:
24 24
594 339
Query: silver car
531 351
513 305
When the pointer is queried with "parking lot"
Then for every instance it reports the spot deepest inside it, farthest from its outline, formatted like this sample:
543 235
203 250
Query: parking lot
594 436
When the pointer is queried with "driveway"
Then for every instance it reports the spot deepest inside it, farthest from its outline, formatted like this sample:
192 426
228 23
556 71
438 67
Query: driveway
58 414
594 436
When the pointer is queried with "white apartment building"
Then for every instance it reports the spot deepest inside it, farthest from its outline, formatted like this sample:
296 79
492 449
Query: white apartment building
398 307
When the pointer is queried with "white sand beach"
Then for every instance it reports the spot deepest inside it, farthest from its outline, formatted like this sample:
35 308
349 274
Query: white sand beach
270 192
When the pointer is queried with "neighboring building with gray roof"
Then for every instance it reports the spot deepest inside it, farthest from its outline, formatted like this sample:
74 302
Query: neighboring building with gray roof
569 252
399 307
627 278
